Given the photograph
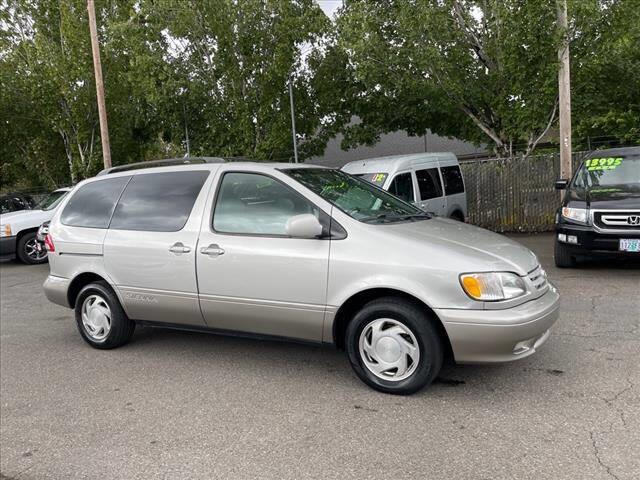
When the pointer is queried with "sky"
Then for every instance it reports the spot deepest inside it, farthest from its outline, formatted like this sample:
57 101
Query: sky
329 7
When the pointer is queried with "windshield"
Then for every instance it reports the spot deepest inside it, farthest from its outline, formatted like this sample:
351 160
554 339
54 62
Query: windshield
357 198
611 171
50 201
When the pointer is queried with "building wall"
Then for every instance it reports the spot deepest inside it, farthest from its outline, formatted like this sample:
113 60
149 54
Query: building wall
395 143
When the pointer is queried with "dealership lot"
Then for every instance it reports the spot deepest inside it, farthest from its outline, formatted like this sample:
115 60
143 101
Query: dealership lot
191 405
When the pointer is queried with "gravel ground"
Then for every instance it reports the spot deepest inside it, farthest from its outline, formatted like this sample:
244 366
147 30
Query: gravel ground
188 405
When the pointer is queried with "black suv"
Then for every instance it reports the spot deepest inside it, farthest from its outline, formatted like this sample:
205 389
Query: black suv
600 211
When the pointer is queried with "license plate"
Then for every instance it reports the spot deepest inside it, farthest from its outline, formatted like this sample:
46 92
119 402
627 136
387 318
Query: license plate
629 245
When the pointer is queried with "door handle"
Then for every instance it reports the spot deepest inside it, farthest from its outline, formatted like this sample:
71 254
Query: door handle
179 247
212 250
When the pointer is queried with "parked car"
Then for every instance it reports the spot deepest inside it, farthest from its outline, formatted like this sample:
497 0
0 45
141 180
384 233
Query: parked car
600 211
13 202
432 181
18 229
299 252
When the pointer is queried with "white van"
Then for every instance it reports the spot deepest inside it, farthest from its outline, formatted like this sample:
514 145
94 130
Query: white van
432 181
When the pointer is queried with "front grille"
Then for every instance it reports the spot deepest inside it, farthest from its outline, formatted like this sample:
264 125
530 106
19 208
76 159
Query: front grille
625 220
538 278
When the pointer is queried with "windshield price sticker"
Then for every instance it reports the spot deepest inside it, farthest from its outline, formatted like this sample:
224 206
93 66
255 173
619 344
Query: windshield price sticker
610 163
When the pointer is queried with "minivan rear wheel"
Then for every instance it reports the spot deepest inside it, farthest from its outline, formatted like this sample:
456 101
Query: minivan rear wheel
393 346
100 319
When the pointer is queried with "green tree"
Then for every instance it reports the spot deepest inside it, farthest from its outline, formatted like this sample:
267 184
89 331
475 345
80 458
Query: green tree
605 66
47 66
479 70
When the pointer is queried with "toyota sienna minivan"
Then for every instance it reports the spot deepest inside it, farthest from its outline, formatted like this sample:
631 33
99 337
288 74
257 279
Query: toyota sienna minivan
299 252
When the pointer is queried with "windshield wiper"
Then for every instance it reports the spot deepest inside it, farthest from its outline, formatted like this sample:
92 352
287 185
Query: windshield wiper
383 217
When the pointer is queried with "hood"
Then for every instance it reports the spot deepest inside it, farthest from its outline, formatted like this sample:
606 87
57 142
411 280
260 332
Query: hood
26 219
473 248
20 215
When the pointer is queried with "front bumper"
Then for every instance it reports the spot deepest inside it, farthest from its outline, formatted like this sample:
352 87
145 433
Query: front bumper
591 241
7 246
55 289
494 336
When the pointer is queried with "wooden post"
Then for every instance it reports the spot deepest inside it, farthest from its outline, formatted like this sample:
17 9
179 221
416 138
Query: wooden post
564 92
97 67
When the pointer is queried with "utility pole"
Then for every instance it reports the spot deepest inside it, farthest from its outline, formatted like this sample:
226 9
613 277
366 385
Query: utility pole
97 67
564 92
293 123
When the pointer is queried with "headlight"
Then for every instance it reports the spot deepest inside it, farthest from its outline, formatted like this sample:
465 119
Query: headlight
5 230
493 286
575 214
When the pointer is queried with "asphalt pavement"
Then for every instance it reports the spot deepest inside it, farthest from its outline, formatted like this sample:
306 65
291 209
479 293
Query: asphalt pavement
173 405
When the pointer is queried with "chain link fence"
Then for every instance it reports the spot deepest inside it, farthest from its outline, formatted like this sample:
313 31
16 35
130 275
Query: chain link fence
514 194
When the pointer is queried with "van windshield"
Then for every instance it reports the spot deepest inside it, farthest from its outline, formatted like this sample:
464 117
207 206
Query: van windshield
356 197
608 172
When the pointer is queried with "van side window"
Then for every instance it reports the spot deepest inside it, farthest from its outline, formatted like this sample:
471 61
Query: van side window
158 202
92 204
429 183
402 186
254 204
452 177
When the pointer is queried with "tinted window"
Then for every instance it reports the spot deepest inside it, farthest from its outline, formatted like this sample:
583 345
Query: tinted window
158 202
452 177
429 183
92 205
402 186
256 204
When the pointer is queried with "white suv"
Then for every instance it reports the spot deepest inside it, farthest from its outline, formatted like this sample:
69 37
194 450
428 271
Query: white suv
299 252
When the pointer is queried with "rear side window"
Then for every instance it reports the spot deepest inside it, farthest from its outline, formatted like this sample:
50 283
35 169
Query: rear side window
158 202
452 177
92 205
402 186
429 183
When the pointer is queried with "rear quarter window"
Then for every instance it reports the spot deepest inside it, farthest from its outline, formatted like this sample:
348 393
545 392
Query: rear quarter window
158 202
92 204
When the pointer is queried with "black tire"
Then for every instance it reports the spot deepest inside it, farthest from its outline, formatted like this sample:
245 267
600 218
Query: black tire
121 328
23 248
421 326
562 256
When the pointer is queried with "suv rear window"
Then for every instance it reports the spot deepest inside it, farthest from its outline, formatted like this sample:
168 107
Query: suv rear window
158 202
92 205
453 182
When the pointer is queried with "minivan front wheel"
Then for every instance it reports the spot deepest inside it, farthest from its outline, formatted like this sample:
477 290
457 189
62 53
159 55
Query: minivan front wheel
393 346
100 319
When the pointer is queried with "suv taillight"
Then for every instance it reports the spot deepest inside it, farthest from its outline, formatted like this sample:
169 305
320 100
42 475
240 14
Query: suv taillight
48 243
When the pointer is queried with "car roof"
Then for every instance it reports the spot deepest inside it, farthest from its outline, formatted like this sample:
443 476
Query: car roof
385 164
196 163
610 152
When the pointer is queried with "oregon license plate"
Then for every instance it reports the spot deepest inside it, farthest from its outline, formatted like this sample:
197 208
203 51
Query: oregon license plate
629 245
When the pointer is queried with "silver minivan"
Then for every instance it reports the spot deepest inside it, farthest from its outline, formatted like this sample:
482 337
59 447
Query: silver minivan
298 252
431 181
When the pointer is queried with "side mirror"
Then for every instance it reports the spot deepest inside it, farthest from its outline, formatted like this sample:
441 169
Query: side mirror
561 184
303 226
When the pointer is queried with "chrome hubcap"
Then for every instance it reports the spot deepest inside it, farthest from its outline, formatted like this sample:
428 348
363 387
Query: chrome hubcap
34 250
96 317
389 349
